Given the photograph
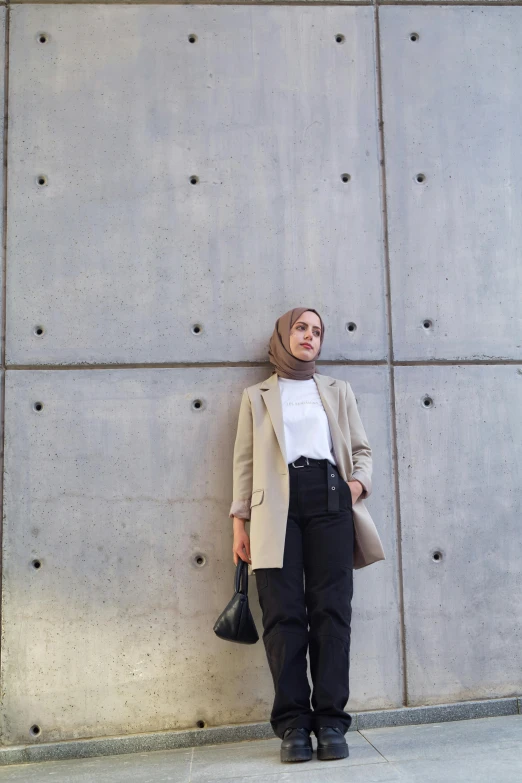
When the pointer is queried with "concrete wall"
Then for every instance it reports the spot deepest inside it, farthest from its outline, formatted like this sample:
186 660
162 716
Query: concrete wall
131 293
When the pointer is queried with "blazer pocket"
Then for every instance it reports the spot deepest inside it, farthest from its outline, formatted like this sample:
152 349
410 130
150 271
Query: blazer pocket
257 497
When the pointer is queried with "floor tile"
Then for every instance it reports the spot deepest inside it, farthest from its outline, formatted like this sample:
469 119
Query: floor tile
452 739
503 766
248 759
158 766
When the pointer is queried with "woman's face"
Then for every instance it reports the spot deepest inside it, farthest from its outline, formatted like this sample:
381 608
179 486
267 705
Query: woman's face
307 329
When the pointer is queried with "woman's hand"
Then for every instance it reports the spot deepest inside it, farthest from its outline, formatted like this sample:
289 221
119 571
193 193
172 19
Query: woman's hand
355 488
241 545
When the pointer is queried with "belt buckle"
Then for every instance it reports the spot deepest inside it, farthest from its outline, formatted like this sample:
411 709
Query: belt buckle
300 466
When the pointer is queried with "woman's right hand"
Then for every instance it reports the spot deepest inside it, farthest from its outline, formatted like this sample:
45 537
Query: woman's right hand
241 545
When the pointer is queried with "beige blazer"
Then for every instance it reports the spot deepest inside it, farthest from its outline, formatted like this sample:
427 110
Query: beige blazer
261 481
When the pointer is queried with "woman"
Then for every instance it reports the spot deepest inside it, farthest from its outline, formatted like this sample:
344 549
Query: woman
302 465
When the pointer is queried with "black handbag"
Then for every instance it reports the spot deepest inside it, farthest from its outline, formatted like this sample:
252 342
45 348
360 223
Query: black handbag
235 623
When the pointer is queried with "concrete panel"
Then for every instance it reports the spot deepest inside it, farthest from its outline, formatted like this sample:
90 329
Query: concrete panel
460 462
115 487
453 112
118 255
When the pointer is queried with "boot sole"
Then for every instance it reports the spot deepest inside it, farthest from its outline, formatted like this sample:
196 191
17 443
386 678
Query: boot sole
327 753
296 754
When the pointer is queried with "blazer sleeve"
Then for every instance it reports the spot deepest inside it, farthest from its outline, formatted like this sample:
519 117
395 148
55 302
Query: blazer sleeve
361 451
242 461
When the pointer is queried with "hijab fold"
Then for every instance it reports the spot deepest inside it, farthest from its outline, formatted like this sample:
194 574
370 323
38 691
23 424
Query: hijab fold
286 364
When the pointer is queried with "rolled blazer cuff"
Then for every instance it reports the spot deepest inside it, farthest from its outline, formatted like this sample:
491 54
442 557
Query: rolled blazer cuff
365 480
240 508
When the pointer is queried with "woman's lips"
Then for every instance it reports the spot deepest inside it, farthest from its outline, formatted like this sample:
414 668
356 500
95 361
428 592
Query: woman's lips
306 346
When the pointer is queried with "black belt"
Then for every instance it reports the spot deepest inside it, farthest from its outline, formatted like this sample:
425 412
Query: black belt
332 476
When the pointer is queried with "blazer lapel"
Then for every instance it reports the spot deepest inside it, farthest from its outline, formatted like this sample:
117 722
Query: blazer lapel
272 397
330 396
329 393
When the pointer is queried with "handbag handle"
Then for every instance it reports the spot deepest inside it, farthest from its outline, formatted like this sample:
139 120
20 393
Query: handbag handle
241 578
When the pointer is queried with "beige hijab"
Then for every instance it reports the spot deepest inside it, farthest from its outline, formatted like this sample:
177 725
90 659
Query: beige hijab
286 364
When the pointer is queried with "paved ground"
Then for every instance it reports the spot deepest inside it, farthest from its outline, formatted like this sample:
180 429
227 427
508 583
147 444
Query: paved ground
482 750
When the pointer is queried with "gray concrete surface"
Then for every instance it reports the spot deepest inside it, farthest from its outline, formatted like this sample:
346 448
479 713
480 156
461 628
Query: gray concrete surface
119 484
479 750
451 106
119 255
115 487
461 541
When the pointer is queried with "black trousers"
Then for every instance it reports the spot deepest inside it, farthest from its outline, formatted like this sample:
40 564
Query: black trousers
306 604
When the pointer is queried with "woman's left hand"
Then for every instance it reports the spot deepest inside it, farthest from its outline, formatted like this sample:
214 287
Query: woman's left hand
356 488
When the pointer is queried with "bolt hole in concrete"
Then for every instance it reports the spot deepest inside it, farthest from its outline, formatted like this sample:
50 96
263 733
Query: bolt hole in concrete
35 730
427 402
351 326
197 405
42 179
201 724
194 180
345 177
38 330
437 556
38 406
193 38
200 560
36 564
197 329
340 38
420 177
414 37
42 37
427 324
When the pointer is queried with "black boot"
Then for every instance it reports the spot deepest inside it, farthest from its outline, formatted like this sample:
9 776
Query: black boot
331 743
296 745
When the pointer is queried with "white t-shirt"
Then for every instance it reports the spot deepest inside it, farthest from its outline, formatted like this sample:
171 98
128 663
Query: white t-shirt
307 430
